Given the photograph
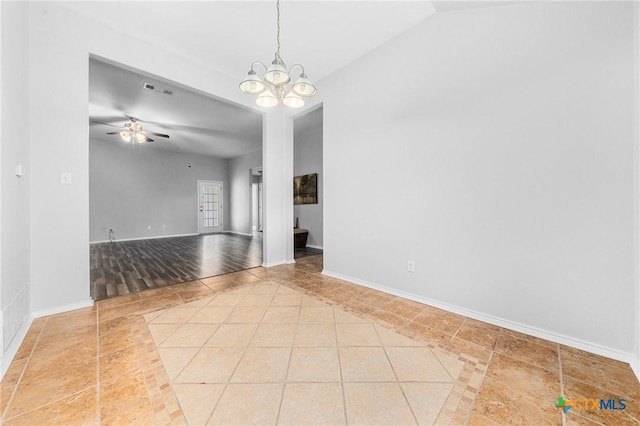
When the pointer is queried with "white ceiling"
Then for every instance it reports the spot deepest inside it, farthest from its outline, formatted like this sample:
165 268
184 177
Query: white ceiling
196 123
227 36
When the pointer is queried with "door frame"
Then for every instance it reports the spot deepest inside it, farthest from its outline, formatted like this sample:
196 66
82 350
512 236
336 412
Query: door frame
198 215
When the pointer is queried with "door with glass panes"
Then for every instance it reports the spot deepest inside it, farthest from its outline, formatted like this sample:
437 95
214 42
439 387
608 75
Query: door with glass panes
209 206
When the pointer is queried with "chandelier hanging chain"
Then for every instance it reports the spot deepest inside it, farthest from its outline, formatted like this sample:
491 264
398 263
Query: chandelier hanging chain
278 31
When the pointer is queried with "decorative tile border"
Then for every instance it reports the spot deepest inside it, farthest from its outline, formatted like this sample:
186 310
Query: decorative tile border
456 409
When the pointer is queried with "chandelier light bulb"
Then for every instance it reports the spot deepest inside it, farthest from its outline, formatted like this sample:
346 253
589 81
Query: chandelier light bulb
277 74
126 135
267 99
140 137
303 87
293 101
252 84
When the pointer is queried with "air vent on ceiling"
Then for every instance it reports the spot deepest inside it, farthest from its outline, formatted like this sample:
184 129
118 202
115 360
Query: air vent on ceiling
151 86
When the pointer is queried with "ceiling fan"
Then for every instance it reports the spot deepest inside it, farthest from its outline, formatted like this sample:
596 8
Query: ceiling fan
132 132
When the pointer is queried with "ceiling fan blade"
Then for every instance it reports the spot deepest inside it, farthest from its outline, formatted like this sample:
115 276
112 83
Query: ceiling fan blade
113 133
146 139
161 135
106 124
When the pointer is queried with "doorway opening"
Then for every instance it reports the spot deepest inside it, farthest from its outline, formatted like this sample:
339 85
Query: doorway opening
307 161
256 200
210 208
152 142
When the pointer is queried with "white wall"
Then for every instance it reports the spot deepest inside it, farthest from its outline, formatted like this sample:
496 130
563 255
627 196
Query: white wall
59 45
307 158
61 42
14 150
240 188
277 163
131 189
495 150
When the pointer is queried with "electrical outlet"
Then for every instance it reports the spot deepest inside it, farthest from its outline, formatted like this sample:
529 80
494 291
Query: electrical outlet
65 178
411 266
149 227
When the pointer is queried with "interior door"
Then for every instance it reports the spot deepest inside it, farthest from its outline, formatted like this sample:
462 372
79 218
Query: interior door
210 206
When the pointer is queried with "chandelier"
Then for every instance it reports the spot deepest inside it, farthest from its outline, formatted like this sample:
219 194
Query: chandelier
274 86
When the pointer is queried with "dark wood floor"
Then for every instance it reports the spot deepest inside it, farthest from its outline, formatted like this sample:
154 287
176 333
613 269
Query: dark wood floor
127 267
131 266
306 251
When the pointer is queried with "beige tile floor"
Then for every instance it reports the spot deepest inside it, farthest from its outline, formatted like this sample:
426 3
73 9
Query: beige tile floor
202 350
270 354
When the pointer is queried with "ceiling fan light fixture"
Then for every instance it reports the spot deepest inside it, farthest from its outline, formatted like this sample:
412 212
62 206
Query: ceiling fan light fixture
140 138
126 135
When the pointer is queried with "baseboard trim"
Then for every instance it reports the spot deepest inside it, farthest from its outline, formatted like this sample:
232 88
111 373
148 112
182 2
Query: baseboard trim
635 365
118 240
7 358
238 233
501 322
272 264
62 309
315 247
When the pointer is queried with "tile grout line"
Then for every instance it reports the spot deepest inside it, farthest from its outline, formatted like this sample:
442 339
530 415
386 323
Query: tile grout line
398 383
22 374
286 374
226 384
24 369
477 392
98 383
442 365
344 395
564 415
157 348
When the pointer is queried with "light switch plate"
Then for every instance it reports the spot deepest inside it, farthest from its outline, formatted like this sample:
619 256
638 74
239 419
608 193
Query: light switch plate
20 170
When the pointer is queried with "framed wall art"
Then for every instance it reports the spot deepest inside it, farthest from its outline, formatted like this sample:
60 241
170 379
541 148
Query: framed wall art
305 189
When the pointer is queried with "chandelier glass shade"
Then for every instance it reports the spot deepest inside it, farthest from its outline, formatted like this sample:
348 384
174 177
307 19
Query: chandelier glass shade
275 84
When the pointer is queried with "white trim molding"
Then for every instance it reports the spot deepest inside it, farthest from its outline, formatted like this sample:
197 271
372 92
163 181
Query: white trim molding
272 264
7 358
62 309
500 322
238 233
119 240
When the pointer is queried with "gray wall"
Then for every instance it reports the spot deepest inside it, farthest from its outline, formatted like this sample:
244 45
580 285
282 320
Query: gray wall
505 170
307 158
240 184
15 192
130 189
